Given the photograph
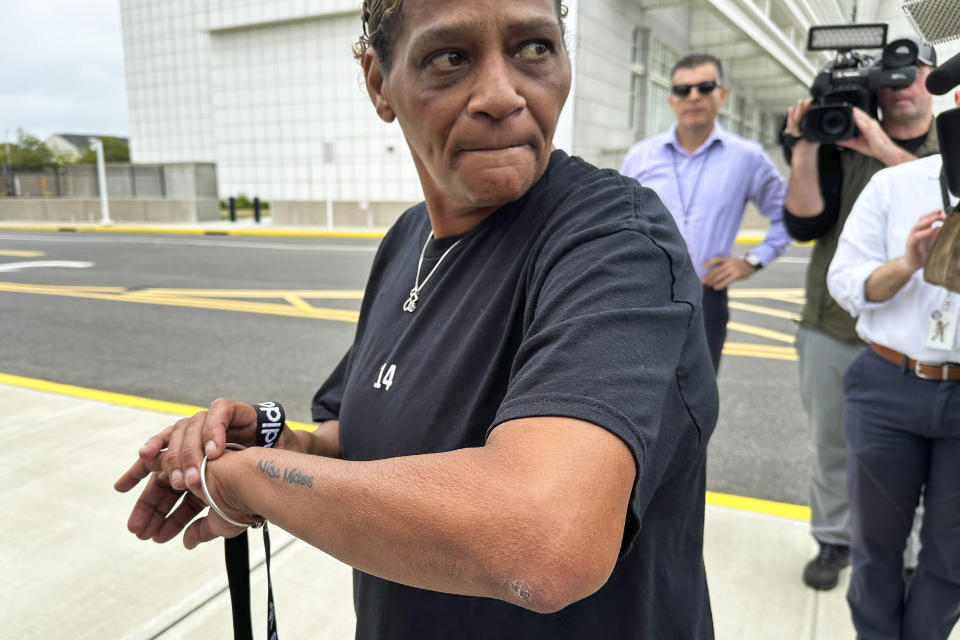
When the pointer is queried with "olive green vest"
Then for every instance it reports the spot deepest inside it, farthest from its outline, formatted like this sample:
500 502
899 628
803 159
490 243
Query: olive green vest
821 312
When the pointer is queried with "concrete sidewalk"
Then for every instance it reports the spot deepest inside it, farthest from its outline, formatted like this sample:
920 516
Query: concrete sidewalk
72 570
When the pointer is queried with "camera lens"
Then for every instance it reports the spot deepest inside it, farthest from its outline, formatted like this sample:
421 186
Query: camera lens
834 123
829 123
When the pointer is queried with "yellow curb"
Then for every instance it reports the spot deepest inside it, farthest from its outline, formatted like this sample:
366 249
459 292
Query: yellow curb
756 505
211 231
744 238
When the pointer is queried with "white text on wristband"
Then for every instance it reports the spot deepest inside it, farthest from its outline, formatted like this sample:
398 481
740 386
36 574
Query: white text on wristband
270 421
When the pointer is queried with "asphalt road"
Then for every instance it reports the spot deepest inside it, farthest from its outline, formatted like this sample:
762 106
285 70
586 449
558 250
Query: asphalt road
190 318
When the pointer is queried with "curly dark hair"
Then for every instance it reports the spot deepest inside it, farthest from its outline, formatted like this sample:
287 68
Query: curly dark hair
381 21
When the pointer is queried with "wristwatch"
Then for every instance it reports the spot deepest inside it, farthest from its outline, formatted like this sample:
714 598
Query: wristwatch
753 260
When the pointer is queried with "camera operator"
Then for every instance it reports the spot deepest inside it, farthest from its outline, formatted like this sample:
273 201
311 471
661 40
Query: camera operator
824 183
902 419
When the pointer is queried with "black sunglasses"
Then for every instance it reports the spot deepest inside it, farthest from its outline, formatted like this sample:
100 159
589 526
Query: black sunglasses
703 88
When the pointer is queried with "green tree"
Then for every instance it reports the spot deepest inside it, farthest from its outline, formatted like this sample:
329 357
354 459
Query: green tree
27 153
113 151
243 202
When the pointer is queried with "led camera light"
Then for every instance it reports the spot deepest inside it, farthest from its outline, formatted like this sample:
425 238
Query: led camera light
845 37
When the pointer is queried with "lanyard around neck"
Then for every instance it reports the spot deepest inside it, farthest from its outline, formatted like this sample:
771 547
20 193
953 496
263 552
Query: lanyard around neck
686 206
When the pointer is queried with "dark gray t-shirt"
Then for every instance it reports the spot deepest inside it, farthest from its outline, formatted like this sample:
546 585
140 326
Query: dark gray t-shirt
577 300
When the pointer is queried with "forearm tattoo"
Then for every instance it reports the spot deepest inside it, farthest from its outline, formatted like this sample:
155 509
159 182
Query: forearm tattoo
288 475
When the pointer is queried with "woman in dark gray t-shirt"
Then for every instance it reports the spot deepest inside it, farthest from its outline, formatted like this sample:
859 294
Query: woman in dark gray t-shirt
514 446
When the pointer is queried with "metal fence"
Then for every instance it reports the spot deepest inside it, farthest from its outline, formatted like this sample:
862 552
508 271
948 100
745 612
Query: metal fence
182 180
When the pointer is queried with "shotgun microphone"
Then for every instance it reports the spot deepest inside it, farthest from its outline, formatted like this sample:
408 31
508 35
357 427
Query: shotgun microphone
945 77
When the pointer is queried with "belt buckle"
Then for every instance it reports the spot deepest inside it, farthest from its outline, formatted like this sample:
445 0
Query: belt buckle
944 370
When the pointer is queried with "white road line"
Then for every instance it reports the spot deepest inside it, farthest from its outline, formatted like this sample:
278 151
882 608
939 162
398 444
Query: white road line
223 243
33 264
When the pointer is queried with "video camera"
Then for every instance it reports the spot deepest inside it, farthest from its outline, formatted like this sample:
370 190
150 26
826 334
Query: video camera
853 78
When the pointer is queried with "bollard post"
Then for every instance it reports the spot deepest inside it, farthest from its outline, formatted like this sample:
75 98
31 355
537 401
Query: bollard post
97 145
232 203
256 209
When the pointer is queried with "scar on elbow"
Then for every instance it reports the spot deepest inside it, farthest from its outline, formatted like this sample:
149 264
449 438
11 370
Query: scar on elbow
522 591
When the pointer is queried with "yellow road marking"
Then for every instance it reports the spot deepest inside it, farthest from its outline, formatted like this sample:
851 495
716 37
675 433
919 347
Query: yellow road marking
791 296
121 399
760 293
798 300
296 305
316 294
794 511
267 308
21 254
759 351
146 297
16 287
779 336
297 302
767 311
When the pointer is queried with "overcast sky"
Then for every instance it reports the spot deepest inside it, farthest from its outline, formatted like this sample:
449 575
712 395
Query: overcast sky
62 71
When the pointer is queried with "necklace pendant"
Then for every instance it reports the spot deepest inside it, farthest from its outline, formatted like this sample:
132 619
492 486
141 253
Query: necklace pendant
411 304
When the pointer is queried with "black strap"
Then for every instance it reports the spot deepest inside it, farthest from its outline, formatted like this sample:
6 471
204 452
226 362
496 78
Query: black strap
945 191
270 421
271 612
236 554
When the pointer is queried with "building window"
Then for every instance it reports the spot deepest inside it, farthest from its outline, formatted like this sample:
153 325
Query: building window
727 115
637 74
770 128
662 60
636 50
659 115
748 122
636 86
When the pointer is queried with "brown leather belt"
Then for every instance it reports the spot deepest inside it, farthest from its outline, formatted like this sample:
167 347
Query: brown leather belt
925 370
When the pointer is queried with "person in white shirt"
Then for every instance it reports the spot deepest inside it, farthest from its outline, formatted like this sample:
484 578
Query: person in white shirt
902 418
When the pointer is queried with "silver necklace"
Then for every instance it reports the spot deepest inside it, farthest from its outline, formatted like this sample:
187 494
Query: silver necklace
411 304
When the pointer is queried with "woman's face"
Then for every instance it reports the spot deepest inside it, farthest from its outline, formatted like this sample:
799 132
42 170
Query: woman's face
477 88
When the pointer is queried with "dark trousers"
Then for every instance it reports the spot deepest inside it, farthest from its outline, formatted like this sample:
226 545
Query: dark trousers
903 437
715 317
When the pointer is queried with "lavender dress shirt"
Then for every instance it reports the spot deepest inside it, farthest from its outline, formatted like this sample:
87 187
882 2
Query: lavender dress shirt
707 191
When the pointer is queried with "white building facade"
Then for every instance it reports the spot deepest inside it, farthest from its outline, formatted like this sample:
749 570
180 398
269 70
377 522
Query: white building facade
269 91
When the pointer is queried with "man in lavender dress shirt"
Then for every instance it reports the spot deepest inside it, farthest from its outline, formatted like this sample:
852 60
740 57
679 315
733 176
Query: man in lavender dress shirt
705 176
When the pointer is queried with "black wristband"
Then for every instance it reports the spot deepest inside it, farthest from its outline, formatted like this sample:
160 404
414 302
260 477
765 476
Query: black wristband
789 140
270 422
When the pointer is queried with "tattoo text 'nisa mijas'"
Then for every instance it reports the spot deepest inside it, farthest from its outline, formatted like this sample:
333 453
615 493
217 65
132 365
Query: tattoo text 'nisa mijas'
292 476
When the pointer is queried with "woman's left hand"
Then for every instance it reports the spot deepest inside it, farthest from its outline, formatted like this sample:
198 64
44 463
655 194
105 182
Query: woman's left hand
154 517
151 516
